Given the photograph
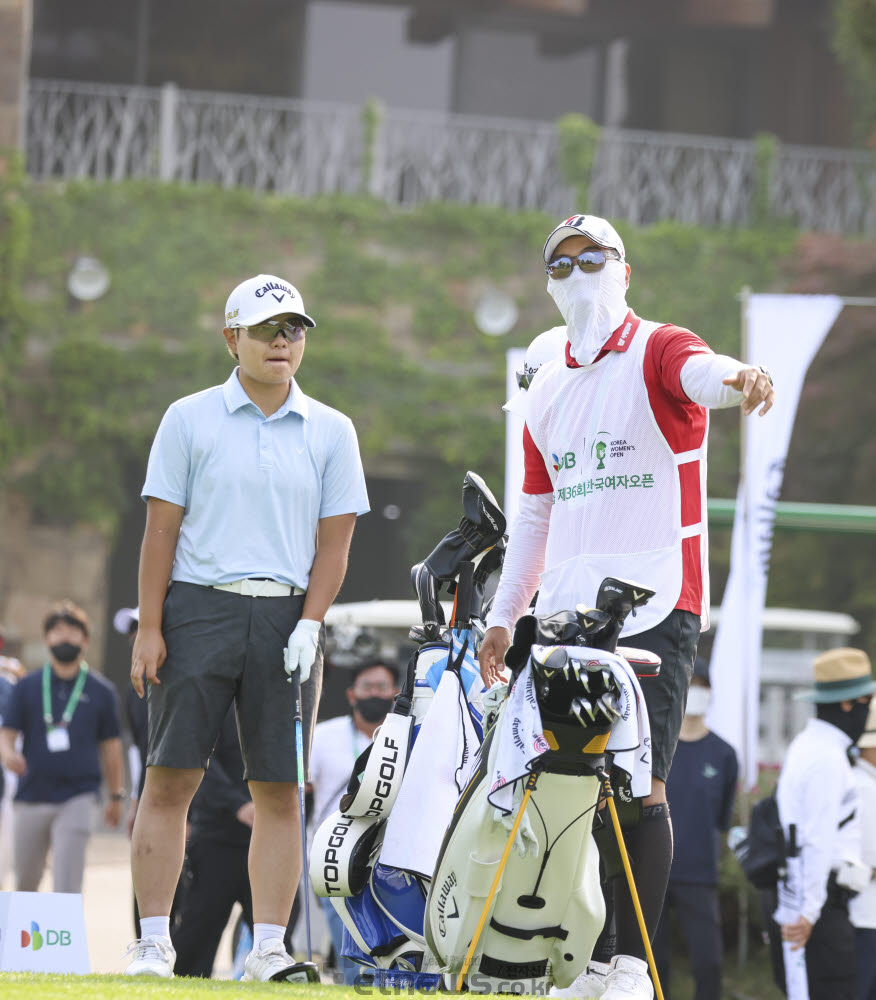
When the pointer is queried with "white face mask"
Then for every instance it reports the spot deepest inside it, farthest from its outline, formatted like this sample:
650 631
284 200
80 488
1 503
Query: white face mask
698 701
593 306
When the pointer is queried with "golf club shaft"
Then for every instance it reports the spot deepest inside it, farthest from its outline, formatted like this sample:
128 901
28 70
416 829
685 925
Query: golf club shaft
299 755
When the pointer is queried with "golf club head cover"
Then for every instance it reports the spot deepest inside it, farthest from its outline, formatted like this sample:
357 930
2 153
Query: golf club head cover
558 629
485 565
517 653
643 661
340 856
621 597
481 527
426 588
378 773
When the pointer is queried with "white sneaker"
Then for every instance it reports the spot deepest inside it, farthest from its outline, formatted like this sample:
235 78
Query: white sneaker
628 979
270 961
153 956
589 985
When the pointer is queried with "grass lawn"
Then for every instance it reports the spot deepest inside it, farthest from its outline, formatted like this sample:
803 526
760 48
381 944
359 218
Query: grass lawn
39 986
751 983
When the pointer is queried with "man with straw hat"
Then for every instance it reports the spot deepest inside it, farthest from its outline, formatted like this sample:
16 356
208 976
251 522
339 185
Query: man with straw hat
818 798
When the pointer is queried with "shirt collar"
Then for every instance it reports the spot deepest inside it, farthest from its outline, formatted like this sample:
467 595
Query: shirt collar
619 341
236 397
831 732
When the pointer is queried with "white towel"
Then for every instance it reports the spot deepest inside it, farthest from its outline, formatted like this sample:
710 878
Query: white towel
519 741
521 735
439 768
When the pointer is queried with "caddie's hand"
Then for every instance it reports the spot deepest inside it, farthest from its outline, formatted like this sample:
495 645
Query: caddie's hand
491 655
146 660
301 648
756 386
797 933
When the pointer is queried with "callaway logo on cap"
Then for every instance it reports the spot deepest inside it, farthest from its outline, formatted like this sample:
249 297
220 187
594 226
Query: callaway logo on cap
263 297
601 232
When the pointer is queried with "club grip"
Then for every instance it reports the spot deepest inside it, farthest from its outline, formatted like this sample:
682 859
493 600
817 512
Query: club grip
464 590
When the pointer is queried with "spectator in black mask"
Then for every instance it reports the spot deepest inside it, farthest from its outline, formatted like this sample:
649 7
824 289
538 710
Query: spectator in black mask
337 744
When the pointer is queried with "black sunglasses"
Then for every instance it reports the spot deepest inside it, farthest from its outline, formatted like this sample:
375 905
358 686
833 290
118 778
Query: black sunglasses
589 261
266 332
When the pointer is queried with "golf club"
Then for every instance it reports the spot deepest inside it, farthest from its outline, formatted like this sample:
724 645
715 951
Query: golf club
300 972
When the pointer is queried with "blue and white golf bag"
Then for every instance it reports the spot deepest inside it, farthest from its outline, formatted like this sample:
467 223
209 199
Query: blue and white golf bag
411 860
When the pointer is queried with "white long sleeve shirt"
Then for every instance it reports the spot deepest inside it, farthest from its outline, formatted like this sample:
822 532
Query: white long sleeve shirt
817 794
862 908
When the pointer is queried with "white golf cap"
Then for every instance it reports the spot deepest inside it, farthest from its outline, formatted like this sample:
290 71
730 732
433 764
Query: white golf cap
601 232
260 298
546 346
124 618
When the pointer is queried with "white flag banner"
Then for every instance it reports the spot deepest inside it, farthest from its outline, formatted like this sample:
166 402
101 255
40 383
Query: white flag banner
785 333
513 436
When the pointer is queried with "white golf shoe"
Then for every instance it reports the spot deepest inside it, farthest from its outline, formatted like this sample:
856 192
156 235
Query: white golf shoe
589 984
270 961
153 956
628 979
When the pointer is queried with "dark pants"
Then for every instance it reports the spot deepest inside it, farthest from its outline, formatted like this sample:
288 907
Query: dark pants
218 878
830 952
696 907
865 942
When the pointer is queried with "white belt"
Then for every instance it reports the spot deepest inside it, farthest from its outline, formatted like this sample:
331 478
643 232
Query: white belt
259 588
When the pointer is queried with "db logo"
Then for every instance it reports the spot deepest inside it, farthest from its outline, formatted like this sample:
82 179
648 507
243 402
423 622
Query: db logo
540 745
36 940
498 783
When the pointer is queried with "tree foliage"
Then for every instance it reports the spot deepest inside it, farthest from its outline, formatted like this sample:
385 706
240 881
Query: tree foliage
393 293
854 41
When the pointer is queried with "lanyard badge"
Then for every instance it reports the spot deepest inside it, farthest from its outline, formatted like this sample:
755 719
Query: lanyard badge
58 736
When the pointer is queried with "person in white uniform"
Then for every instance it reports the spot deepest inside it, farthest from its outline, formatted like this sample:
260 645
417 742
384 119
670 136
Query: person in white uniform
818 796
253 489
614 485
862 909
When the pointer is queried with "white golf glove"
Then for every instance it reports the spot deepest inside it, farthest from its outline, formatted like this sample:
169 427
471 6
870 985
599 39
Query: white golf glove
300 651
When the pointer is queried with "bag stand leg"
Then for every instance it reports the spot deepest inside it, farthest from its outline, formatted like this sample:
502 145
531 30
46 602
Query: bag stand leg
612 808
529 788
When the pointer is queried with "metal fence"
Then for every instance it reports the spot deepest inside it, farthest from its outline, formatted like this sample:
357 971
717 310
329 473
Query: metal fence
77 130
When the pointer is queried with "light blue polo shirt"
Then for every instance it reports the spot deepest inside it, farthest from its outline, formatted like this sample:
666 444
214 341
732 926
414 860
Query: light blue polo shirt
253 487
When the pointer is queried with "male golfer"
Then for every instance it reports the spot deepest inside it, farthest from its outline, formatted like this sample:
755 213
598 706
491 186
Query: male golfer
252 493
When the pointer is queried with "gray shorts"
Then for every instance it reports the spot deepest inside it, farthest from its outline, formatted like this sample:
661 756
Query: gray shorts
224 647
675 641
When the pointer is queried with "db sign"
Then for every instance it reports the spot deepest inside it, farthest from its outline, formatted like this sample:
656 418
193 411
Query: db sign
42 932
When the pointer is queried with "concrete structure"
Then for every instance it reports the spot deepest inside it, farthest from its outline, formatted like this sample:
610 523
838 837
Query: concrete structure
15 30
715 67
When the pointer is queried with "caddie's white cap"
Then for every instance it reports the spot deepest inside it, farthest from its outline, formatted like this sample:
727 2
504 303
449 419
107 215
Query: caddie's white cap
260 298
546 346
124 618
601 232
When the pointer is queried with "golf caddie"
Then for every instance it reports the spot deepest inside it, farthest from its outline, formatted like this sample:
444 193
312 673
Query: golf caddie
252 492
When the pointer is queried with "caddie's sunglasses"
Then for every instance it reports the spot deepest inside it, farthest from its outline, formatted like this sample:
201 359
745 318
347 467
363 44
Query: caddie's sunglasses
589 261
266 332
